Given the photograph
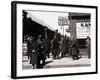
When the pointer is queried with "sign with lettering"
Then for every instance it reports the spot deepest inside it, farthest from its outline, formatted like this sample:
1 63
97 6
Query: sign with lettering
63 21
83 29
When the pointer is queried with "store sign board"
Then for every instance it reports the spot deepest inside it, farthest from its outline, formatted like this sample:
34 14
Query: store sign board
63 21
83 29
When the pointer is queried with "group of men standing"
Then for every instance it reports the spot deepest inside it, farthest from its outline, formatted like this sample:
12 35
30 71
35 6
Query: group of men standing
64 45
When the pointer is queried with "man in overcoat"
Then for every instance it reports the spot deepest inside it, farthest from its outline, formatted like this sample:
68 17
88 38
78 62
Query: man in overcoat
75 49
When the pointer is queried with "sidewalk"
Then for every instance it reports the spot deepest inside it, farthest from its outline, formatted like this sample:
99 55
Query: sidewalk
63 62
68 62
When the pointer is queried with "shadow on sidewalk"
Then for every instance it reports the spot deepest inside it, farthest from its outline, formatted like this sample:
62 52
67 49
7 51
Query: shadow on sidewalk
41 65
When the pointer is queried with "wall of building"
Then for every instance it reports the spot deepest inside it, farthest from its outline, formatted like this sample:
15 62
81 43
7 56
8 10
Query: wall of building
81 41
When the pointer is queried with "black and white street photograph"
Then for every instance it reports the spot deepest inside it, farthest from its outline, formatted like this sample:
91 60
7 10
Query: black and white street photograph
54 39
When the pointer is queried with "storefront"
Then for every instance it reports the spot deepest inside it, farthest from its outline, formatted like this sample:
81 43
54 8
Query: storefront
80 26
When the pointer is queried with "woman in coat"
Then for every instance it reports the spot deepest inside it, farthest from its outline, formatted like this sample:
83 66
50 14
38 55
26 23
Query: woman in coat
35 56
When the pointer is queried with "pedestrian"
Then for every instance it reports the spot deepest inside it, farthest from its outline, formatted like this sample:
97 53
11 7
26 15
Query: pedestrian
63 46
67 45
41 50
75 49
59 45
70 45
47 47
88 45
34 54
29 47
55 47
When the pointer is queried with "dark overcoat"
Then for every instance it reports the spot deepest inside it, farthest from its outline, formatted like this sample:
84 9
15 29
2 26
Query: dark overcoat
75 48
63 45
35 56
29 48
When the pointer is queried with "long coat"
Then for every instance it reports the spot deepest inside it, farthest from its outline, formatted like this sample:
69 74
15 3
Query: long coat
55 44
55 47
41 51
75 48
35 56
67 45
63 45
29 48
